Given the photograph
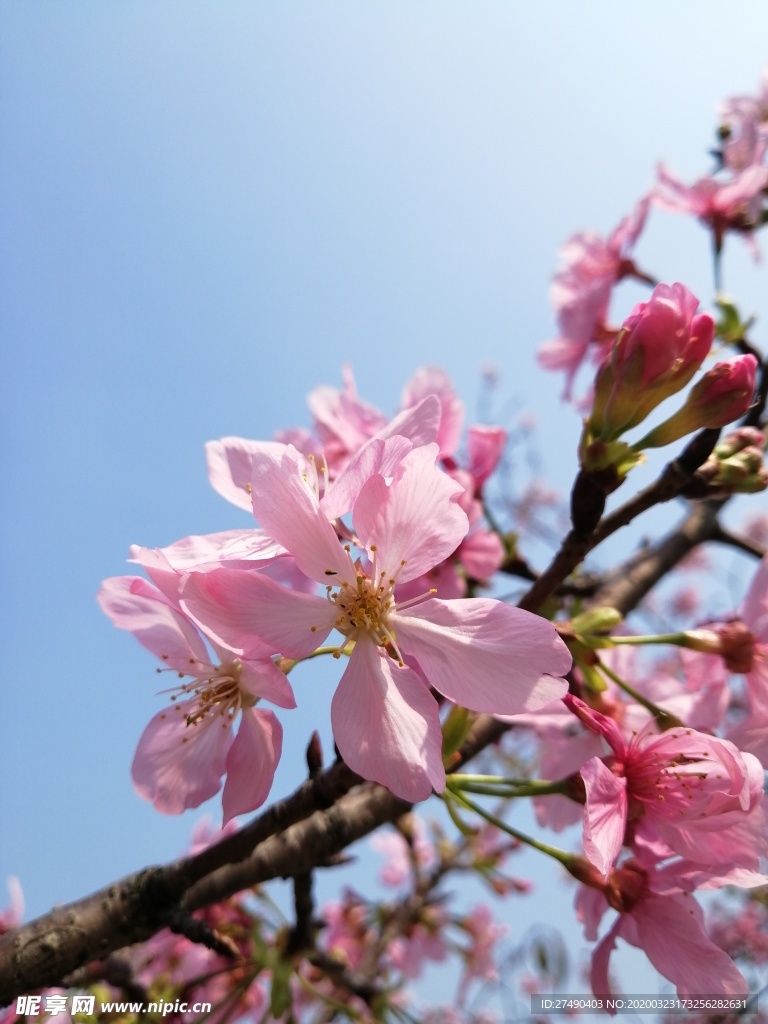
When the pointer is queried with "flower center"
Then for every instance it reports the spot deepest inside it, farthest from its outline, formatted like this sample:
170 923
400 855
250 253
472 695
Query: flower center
218 694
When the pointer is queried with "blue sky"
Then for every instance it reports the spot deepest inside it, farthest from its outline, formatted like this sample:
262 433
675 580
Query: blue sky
205 210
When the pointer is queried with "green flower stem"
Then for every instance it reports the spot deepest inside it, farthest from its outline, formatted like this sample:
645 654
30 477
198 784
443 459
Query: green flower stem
678 639
662 717
551 851
493 785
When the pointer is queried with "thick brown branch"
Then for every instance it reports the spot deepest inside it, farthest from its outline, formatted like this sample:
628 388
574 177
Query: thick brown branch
46 950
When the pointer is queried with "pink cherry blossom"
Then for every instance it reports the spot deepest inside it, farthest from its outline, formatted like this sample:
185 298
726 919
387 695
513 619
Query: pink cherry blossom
186 749
485 446
430 380
658 914
581 292
733 205
659 348
745 119
698 794
479 653
402 854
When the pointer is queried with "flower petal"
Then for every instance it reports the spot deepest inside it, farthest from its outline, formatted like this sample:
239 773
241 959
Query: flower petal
605 814
414 522
485 655
250 613
229 466
251 763
263 679
134 604
672 934
289 510
176 765
386 725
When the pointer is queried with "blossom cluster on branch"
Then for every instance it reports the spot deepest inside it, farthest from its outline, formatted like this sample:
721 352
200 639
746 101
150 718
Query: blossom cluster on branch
376 542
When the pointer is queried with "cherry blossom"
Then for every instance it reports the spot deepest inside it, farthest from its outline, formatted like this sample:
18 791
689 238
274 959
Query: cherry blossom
581 292
658 914
479 653
186 749
696 793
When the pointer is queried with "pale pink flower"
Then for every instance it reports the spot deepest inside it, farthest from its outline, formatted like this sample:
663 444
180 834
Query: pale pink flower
419 943
343 421
479 957
751 659
187 748
431 380
581 292
733 205
683 787
745 120
481 654
401 854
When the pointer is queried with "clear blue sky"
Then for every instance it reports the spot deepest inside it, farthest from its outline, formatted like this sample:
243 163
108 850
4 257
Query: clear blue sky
205 209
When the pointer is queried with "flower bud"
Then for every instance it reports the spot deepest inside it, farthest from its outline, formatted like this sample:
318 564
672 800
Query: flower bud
657 351
722 395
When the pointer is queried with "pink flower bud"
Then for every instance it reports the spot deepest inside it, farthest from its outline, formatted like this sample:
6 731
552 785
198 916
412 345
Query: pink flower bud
659 348
722 395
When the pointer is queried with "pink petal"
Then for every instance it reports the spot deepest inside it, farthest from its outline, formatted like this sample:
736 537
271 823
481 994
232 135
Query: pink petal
134 604
229 466
176 765
236 548
481 554
485 655
415 520
419 423
754 609
386 725
378 456
251 763
605 814
249 613
671 931
430 380
484 447
601 955
289 510
263 679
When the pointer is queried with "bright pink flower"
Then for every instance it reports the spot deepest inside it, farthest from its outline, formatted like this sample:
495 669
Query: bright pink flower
581 292
186 749
681 786
718 398
481 654
659 915
659 348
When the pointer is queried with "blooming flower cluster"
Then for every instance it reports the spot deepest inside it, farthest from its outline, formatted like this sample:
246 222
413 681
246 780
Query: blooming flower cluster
371 528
